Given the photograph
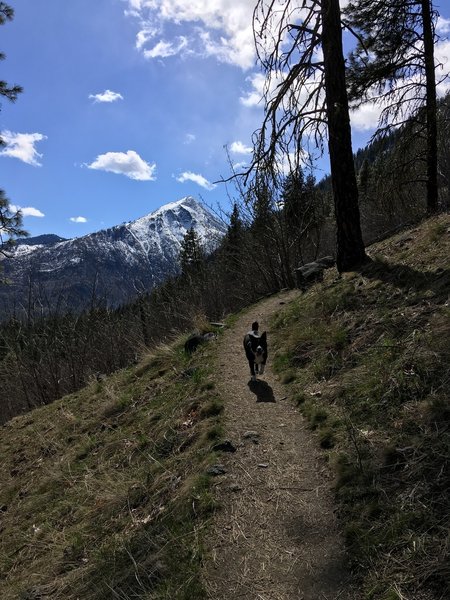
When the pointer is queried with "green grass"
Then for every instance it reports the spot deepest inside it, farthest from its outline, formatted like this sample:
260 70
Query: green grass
367 359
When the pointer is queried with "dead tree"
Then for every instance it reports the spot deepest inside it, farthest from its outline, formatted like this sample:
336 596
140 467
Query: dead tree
306 103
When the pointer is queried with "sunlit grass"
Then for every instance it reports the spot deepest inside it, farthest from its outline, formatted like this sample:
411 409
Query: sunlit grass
107 496
366 356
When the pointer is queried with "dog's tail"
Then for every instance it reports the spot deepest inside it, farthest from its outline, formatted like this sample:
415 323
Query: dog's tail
255 326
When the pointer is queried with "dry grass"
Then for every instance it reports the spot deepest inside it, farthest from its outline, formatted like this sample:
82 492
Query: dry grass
103 493
366 356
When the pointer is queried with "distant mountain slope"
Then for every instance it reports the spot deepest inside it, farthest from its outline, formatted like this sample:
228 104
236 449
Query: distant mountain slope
46 239
112 265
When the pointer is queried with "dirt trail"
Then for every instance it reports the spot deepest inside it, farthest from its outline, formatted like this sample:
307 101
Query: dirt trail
275 536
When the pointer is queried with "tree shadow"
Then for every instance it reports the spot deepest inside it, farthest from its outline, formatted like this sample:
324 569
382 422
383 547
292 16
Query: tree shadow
262 391
406 277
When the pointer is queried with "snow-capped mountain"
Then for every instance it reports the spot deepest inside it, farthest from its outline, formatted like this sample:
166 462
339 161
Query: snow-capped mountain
112 265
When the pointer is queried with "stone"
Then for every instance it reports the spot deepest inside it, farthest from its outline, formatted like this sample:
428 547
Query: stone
225 446
251 435
312 272
216 470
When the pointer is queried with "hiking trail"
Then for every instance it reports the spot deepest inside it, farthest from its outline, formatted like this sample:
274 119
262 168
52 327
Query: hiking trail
275 536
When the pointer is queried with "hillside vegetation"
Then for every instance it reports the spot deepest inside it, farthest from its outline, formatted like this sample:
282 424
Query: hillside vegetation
367 358
106 493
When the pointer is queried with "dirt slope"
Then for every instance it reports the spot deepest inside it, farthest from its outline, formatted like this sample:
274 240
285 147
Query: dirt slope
276 536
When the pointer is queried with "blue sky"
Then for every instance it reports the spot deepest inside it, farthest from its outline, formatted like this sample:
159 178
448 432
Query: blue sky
128 105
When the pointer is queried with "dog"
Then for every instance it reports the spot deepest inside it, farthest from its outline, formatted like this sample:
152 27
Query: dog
255 347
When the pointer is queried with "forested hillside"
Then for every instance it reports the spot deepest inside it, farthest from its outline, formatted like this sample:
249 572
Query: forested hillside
272 229
109 489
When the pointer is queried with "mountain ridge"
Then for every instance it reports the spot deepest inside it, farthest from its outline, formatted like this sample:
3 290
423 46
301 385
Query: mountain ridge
111 265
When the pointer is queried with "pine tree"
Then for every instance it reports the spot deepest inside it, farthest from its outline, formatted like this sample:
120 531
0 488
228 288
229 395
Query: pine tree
191 253
10 225
10 221
394 61
232 245
9 92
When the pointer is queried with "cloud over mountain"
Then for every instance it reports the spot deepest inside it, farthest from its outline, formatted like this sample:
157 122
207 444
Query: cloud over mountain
196 178
128 163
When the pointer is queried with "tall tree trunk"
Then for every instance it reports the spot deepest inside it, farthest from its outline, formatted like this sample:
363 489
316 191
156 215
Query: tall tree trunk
350 247
431 108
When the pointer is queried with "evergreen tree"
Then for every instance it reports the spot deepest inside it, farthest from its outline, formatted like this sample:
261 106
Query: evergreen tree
191 253
232 245
6 91
364 176
294 201
10 221
260 199
10 225
394 62
444 148
299 201
235 227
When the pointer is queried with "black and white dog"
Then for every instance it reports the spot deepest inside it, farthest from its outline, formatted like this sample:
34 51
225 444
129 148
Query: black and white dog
255 347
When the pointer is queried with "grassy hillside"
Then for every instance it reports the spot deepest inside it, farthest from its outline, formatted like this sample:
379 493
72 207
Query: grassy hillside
105 493
367 357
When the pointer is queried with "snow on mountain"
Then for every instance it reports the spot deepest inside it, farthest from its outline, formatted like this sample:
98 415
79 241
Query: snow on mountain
112 265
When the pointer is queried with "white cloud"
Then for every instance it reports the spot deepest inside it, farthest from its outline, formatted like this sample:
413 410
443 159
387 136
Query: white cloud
442 26
106 96
189 138
135 4
27 211
218 28
164 49
442 56
78 219
196 178
259 87
21 146
146 34
240 148
366 117
255 95
128 163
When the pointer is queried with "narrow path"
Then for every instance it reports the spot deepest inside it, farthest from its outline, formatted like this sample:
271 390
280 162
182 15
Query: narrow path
275 536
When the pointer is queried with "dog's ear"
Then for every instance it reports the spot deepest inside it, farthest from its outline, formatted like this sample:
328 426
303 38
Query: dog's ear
264 337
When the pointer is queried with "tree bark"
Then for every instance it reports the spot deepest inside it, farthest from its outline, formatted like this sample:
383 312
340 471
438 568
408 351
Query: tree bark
350 246
431 108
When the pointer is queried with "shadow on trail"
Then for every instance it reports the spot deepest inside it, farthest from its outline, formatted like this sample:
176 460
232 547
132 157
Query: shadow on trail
262 391
406 277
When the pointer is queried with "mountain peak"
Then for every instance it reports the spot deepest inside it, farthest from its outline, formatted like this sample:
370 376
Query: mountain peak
187 202
117 263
